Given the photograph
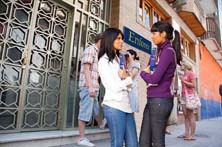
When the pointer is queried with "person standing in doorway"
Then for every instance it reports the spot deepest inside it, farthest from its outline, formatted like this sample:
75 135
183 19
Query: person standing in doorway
159 96
88 90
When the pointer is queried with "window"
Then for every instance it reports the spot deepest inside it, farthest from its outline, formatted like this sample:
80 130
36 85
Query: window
187 47
156 17
148 13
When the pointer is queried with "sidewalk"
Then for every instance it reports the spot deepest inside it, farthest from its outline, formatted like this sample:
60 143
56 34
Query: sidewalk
208 134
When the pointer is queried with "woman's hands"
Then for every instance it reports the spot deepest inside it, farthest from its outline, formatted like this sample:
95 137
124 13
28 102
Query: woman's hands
181 78
123 73
147 69
191 84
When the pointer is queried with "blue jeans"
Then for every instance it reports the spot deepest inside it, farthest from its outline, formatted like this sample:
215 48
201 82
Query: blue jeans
122 127
155 116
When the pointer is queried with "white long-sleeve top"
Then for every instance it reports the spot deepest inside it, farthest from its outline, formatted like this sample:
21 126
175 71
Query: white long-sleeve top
116 94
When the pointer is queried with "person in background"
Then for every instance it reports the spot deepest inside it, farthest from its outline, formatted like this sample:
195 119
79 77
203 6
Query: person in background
159 97
88 90
116 81
188 85
133 67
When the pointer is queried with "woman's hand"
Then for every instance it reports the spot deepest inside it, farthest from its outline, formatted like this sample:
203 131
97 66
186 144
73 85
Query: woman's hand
123 74
181 79
147 69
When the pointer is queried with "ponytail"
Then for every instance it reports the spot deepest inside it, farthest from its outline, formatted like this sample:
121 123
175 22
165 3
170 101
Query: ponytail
132 52
177 46
137 58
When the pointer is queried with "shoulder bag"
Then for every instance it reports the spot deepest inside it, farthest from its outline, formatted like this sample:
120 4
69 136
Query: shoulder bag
192 100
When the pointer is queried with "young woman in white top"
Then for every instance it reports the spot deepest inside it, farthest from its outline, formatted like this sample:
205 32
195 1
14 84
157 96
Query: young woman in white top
117 110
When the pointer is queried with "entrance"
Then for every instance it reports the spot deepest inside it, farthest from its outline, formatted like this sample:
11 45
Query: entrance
32 54
41 42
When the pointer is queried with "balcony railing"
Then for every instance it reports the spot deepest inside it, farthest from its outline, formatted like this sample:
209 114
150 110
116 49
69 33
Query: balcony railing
212 31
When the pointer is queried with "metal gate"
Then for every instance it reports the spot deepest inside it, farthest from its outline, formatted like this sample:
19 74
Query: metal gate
40 46
32 43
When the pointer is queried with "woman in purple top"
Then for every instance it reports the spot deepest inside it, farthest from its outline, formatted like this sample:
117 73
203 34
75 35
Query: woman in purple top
160 99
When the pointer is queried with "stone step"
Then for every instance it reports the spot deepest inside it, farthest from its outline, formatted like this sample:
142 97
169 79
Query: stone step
49 138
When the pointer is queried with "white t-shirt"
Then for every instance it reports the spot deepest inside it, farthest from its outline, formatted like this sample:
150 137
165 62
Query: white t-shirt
116 94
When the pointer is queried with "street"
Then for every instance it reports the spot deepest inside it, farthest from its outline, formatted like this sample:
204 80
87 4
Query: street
208 134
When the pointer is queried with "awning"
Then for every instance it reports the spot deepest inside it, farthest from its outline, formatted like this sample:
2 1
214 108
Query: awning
193 23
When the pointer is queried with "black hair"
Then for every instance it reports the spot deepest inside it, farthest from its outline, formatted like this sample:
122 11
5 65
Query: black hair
132 52
163 26
109 36
176 44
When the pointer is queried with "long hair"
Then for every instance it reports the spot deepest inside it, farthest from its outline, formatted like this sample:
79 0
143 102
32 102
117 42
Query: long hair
106 47
132 52
163 26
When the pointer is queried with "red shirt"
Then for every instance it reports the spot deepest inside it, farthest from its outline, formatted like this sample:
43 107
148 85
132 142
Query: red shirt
189 76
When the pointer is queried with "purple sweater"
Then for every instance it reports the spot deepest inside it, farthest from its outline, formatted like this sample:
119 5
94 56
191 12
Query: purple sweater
163 74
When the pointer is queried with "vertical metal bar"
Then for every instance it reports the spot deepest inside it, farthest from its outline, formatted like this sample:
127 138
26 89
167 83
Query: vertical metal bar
68 59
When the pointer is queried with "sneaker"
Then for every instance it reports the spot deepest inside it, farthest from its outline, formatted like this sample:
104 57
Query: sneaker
103 125
85 142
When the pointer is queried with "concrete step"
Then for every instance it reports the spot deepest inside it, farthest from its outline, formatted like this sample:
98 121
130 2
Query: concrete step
98 143
49 138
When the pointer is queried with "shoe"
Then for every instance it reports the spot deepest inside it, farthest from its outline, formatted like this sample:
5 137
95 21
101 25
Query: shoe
182 136
103 125
190 138
85 142
167 132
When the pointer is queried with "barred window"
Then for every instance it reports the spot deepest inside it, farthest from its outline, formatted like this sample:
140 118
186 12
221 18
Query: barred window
149 14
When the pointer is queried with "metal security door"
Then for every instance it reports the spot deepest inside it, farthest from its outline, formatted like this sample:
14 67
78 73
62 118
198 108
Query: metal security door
32 46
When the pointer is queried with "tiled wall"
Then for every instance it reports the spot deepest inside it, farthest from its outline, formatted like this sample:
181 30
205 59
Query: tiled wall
210 109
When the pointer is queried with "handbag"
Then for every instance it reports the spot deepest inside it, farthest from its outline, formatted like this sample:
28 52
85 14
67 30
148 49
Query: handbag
192 100
173 115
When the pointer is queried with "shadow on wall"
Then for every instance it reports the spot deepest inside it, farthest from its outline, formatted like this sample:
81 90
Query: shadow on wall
210 109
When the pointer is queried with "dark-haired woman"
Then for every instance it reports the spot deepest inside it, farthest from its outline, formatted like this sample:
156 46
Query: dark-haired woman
133 68
117 110
160 98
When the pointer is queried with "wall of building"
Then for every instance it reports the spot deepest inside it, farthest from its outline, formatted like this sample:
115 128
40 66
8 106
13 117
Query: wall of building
210 79
128 16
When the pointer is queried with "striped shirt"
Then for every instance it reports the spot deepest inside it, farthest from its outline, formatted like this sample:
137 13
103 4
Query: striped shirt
90 55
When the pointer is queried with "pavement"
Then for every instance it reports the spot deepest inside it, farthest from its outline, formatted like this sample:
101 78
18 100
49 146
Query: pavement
208 134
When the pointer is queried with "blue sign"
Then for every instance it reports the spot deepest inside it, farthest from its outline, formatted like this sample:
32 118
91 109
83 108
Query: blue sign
137 41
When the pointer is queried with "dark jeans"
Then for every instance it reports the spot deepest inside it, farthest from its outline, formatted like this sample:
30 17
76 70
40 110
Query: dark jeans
155 116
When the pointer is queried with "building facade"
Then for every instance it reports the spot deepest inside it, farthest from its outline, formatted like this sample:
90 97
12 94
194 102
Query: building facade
41 42
211 62
186 16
